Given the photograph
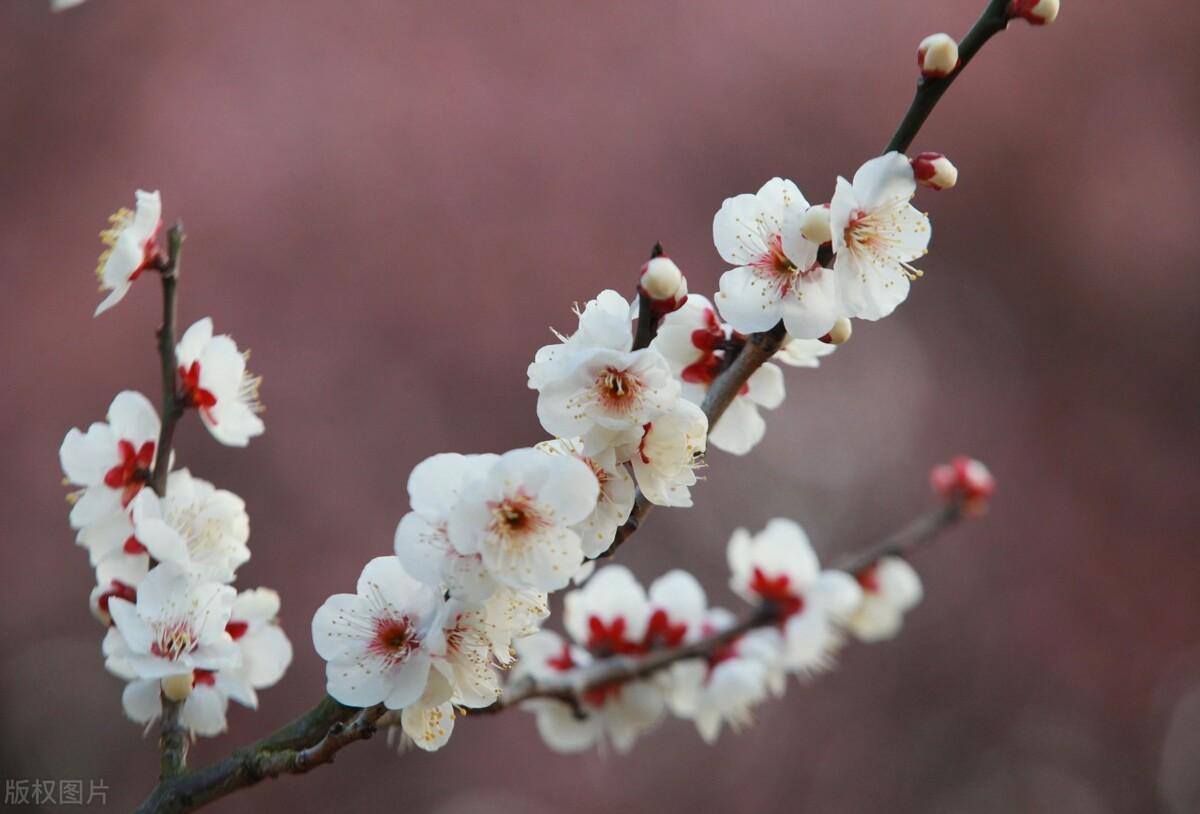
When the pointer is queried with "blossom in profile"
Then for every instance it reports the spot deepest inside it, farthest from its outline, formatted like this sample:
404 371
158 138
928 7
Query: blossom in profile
131 243
890 588
214 381
112 461
776 275
519 518
696 344
379 643
778 568
877 234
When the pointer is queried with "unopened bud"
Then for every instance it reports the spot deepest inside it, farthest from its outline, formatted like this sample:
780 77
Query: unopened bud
663 284
814 225
964 479
177 687
839 334
934 170
937 55
1036 12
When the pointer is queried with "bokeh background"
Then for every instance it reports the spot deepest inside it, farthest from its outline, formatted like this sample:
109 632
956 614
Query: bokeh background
391 202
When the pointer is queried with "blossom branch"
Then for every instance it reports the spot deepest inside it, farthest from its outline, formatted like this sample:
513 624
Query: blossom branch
994 19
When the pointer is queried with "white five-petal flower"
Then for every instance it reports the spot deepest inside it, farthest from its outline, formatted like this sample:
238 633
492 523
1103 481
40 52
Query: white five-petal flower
877 233
131 247
777 276
603 323
214 380
379 643
670 450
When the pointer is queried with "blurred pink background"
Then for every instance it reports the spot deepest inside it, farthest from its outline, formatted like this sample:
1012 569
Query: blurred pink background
390 202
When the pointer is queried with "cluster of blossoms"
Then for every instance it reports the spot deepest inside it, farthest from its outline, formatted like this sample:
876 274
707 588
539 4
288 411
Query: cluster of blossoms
488 537
166 545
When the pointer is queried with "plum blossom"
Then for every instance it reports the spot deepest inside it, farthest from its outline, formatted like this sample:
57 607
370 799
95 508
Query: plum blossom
670 450
964 479
618 713
112 461
606 396
609 614
518 518
777 275
512 614
117 577
696 344
677 607
662 284
131 244
877 234
196 526
615 501
422 542
890 588
176 625
429 722
604 323
379 643
214 380
778 567
726 686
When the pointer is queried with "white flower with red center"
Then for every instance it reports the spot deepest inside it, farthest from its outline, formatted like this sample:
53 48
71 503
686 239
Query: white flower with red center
778 568
777 276
670 450
177 624
111 461
512 614
132 248
877 234
422 543
379 643
890 588
609 614
603 323
618 712
696 344
677 609
266 654
726 686
964 479
196 526
606 396
615 502
214 380
518 518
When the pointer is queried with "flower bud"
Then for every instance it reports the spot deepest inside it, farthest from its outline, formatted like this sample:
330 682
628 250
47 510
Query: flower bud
964 479
663 284
177 687
937 55
934 170
839 334
814 224
1036 12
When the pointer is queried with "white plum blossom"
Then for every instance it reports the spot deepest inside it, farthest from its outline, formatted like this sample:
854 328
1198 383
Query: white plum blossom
112 461
890 588
726 686
131 244
617 712
429 722
603 323
118 577
777 276
422 542
379 643
606 396
214 380
777 566
177 625
196 526
615 501
670 450
518 518
467 661
609 614
265 656
512 614
696 343
677 609
877 234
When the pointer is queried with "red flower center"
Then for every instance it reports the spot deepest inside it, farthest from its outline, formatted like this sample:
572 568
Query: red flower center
205 678
608 639
194 395
236 630
394 639
133 470
868 578
118 589
777 592
661 632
